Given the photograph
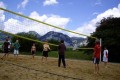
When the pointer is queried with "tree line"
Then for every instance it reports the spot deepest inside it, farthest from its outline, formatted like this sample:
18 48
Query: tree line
108 29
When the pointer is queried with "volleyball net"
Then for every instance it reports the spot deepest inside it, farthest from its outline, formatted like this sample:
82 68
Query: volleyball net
17 22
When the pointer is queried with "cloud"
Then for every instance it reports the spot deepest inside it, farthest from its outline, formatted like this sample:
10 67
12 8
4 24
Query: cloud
23 4
2 16
15 26
90 26
98 3
2 4
95 13
50 2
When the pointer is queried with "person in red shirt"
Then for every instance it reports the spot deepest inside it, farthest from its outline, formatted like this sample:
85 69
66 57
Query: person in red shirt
96 56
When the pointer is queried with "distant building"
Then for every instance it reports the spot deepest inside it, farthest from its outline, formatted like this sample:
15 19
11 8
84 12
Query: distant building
83 43
75 47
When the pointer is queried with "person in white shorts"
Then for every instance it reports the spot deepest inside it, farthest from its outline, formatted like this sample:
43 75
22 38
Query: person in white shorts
105 57
16 48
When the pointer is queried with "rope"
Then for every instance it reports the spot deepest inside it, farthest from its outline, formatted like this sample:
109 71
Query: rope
26 38
34 40
45 23
42 23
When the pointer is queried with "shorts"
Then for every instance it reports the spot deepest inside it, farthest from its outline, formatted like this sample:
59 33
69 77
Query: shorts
5 50
33 52
105 59
16 51
96 60
45 53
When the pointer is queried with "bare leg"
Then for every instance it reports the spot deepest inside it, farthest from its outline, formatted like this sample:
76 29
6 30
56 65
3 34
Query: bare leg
4 56
42 59
45 59
7 55
33 56
17 57
95 69
14 55
105 63
98 68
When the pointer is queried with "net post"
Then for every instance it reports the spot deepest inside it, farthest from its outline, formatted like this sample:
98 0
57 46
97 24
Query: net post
100 47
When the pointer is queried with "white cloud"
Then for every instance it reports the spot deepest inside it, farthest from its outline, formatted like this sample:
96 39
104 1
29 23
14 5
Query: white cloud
50 2
15 26
2 5
95 13
2 16
90 27
36 15
23 4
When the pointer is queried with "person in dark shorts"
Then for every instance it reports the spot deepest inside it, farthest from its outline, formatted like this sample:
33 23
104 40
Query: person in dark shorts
33 50
5 48
96 56
61 52
46 49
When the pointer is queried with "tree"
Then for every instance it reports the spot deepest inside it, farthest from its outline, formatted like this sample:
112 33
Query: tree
108 29
54 48
25 45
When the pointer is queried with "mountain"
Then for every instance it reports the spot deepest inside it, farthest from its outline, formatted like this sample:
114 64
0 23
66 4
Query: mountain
34 33
69 41
57 36
3 36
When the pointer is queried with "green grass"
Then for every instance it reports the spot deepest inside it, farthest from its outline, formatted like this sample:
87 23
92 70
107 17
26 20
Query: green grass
68 54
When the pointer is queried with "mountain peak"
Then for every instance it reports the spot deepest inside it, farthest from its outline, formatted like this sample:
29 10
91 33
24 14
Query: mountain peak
57 36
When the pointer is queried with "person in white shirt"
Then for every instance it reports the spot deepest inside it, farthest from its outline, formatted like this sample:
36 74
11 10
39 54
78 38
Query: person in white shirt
105 57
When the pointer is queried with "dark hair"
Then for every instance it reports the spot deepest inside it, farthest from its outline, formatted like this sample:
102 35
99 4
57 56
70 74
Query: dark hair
62 41
97 42
6 39
46 40
105 47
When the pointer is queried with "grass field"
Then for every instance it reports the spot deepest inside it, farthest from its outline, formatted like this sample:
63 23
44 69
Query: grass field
69 55
26 68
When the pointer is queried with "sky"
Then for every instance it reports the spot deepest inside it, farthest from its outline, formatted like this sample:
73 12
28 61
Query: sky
76 15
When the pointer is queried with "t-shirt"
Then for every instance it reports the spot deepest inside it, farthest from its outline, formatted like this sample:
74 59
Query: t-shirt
46 47
105 52
97 51
6 45
61 49
16 46
9 44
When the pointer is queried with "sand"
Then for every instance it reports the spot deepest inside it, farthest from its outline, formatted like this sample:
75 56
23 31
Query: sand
26 68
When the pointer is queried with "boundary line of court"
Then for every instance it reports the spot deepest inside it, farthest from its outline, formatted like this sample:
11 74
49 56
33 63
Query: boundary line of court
7 62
